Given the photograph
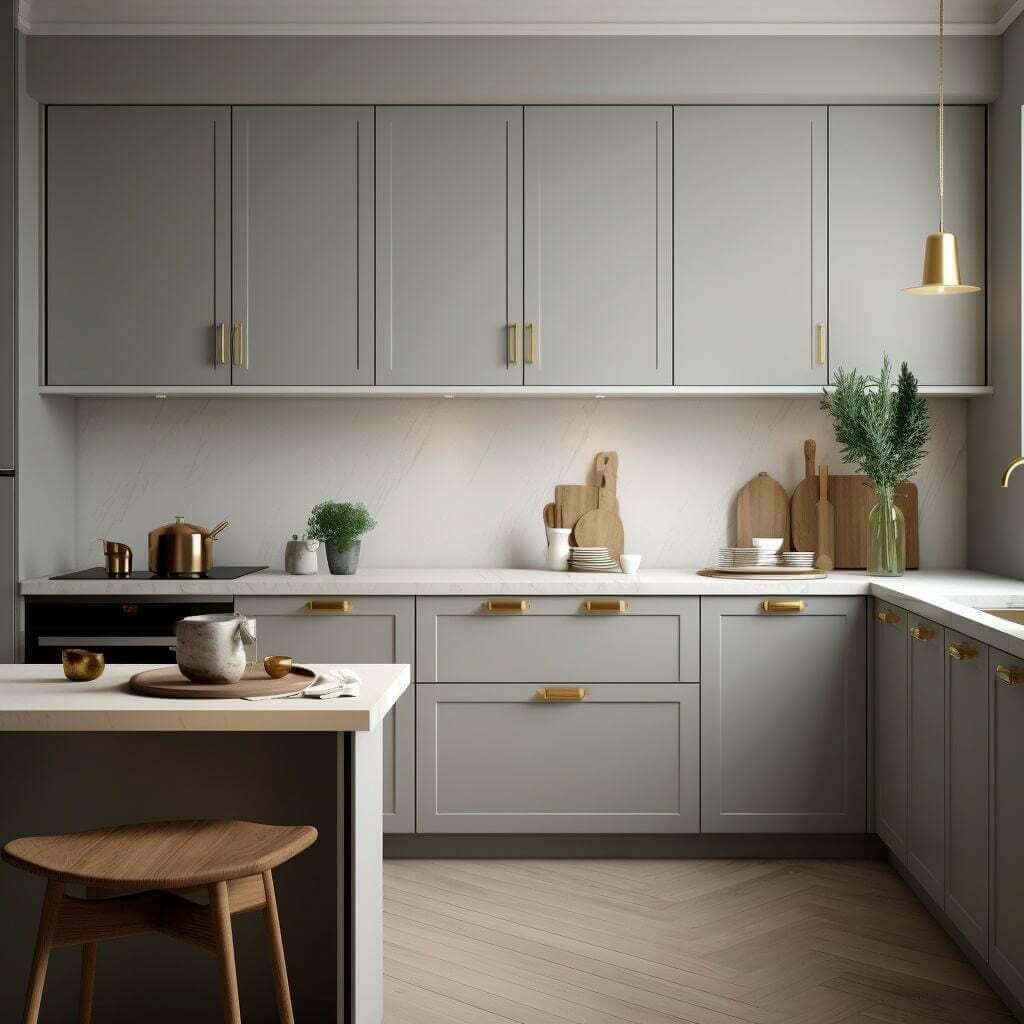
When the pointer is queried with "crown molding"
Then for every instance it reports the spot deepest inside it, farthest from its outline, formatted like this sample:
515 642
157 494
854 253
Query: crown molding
1009 17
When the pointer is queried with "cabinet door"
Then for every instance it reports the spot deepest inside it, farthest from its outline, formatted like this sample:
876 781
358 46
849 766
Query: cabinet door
449 244
882 204
926 819
1007 837
138 244
598 245
358 630
303 245
783 715
503 758
8 572
892 727
968 789
751 209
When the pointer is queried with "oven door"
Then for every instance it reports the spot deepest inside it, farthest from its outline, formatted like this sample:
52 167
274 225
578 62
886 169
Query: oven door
117 650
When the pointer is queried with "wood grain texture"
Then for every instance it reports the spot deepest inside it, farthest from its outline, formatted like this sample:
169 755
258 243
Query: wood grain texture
803 518
826 546
573 500
220 910
600 529
762 510
87 984
658 942
853 497
48 921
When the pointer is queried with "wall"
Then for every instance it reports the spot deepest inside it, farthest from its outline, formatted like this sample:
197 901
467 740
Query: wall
462 482
996 541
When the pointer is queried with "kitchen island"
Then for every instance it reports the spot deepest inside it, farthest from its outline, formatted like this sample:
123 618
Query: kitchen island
81 755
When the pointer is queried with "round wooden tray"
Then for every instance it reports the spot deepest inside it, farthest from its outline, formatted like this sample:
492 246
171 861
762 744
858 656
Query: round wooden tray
169 682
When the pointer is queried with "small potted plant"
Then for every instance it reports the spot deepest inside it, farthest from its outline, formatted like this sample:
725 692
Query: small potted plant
882 431
340 525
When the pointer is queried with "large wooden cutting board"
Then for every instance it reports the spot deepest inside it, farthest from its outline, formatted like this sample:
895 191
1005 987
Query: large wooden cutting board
600 529
762 510
803 516
169 682
853 497
572 501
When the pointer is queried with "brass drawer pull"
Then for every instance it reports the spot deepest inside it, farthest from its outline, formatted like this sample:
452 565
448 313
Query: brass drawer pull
783 607
889 617
961 652
532 345
557 693
614 607
220 348
239 346
514 332
923 633
507 607
1010 676
820 348
328 608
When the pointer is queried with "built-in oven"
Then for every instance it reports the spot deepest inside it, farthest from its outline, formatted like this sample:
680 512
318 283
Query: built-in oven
126 630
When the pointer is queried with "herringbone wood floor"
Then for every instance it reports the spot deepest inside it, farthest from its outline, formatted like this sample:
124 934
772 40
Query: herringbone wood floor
659 942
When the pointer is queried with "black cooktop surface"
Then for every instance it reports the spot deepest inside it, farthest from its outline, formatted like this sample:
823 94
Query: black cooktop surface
218 572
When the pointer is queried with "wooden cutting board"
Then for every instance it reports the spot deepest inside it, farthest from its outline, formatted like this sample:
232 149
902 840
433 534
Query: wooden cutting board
853 497
600 529
803 516
169 682
762 510
606 478
572 501
826 548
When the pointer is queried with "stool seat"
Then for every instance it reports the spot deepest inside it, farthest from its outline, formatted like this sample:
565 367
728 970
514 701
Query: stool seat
161 855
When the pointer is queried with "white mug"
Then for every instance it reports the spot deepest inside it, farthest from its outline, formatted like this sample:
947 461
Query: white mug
210 647
630 563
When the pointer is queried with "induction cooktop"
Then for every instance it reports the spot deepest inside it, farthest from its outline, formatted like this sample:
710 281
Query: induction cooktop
218 572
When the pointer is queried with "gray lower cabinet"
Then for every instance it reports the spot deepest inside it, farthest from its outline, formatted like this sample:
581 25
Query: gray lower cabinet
751 219
302 226
449 217
968 790
138 245
520 758
598 245
1007 724
892 729
557 640
926 787
882 205
358 630
783 714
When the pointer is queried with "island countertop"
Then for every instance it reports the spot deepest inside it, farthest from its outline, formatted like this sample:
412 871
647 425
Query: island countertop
37 698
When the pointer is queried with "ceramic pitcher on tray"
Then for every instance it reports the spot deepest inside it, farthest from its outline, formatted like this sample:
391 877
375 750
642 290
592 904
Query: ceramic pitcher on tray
211 647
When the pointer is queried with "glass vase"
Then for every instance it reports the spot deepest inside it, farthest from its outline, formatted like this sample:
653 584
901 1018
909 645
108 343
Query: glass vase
887 537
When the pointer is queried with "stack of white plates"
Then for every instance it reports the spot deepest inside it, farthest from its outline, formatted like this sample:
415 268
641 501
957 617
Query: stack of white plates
592 560
798 559
736 558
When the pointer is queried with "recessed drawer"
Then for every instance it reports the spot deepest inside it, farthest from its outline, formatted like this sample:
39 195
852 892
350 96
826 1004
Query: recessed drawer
588 758
557 640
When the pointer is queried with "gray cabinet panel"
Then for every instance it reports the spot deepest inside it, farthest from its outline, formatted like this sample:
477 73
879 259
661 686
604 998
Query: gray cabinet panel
892 727
138 211
599 245
751 220
376 630
449 244
496 758
556 640
8 572
783 716
303 244
882 204
1007 836
968 794
926 821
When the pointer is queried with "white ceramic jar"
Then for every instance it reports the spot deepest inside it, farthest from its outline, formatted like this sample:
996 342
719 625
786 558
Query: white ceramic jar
210 647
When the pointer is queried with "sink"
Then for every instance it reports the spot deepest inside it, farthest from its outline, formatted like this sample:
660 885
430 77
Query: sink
1015 615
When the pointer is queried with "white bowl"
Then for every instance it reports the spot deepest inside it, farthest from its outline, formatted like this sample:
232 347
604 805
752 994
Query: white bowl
630 563
768 543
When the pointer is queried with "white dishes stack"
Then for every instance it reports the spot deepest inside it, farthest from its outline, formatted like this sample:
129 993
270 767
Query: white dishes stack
592 560
801 560
736 558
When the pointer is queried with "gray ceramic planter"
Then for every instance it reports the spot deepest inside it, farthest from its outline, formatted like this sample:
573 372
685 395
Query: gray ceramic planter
343 561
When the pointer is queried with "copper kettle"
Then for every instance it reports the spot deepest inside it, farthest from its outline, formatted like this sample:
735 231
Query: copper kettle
181 549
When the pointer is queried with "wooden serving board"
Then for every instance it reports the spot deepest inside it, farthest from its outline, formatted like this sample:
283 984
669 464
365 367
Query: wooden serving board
803 515
853 497
169 682
600 529
573 500
762 510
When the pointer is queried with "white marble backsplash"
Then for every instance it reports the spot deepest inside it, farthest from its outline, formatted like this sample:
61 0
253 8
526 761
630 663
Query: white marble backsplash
461 482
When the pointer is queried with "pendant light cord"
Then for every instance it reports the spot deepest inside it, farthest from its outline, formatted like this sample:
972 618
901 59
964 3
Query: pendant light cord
942 116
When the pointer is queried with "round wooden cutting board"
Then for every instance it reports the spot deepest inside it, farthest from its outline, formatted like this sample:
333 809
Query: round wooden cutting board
600 528
169 682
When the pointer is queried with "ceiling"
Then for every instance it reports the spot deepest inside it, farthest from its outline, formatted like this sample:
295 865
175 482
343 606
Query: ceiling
513 17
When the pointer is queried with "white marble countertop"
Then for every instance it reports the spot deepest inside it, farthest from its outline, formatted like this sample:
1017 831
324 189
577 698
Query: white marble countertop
37 698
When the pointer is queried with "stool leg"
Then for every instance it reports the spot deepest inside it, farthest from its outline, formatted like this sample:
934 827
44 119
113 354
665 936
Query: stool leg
220 910
273 924
88 984
44 943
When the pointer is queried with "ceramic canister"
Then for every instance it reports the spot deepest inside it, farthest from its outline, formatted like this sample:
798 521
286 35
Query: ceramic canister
300 557
210 647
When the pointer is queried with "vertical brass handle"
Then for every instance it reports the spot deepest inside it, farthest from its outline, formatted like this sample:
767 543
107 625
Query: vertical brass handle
532 344
328 608
889 617
783 607
220 345
961 652
820 344
614 607
923 633
1010 676
514 338
556 693
239 346
507 607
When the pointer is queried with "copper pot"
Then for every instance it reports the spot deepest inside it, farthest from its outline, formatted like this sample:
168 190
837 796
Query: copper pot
181 549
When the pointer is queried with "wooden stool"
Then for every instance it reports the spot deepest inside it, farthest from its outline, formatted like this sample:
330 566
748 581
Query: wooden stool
137 879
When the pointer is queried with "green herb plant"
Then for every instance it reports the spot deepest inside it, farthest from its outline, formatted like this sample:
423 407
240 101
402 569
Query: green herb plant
341 523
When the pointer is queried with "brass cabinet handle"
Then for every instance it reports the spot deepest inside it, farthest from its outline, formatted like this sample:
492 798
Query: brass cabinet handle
507 607
532 344
888 616
961 652
1010 676
328 608
923 633
820 345
556 693
783 607
614 607
239 346
220 346
514 339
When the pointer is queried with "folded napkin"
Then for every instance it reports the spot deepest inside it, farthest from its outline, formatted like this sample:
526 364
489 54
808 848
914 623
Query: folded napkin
333 682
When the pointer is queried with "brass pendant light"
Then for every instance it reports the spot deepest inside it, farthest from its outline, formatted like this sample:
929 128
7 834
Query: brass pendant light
941 260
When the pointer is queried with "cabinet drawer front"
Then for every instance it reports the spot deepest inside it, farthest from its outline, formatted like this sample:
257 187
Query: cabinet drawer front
557 640
500 758
892 726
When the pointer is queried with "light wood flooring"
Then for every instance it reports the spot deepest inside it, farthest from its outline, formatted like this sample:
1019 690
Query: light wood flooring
659 942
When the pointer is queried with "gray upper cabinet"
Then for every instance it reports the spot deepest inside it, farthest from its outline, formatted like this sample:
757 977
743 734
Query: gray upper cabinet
783 715
598 211
892 709
882 204
449 245
751 245
302 225
138 245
